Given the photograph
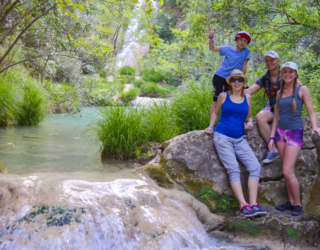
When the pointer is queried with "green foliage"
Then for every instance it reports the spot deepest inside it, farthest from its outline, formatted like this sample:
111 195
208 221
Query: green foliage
161 124
32 108
130 95
223 203
292 233
121 131
8 97
151 75
138 83
127 70
125 79
103 73
244 227
151 89
191 107
64 97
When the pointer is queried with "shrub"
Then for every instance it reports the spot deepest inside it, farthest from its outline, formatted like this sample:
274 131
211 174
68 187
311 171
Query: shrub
121 131
103 73
124 79
190 107
161 125
64 97
32 108
127 70
151 89
150 75
7 102
130 95
138 83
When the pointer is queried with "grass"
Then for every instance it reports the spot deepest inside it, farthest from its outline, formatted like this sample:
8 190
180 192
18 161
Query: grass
127 70
7 102
130 95
150 75
32 108
123 131
151 89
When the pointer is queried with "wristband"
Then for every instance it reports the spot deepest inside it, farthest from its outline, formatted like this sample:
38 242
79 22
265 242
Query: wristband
212 38
249 121
271 138
210 127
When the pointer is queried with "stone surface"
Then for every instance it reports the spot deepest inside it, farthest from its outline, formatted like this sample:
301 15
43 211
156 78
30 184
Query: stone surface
192 163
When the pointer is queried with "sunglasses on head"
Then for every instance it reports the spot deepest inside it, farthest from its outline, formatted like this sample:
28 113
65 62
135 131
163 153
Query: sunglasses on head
233 80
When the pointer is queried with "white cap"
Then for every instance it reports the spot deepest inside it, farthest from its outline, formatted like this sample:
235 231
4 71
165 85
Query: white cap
290 65
272 54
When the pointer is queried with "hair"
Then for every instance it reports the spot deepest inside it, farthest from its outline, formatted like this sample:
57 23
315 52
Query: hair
280 92
242 92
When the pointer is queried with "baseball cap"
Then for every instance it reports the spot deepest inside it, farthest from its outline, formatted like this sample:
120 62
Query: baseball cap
272 54
243 34
290 65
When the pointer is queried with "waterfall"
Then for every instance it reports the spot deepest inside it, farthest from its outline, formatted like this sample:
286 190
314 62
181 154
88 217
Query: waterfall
132 50
52 212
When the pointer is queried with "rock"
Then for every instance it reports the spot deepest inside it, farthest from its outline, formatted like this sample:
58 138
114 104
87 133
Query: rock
191 162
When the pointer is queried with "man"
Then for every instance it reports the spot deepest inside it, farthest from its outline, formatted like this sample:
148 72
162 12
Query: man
271 84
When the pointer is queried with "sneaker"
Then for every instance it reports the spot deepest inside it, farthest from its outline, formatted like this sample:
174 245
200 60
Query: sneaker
258 210
271 157
247 211
297 210
285 206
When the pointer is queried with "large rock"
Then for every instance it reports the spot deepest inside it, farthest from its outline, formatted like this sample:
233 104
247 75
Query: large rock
191 162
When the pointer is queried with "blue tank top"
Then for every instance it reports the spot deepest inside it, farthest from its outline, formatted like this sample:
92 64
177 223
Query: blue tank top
287 119
233 116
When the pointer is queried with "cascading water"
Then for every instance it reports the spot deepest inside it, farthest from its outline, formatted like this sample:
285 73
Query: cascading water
49 212
132 50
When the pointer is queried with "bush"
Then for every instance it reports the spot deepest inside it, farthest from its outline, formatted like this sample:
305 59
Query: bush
32 108
151 89
127 70
64 97
121 131
130 95
103 73
161 124
124 79
7 102
138 83
150 75
190 107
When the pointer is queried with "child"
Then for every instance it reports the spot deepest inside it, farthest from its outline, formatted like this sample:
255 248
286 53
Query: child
235 58
230 140
287 130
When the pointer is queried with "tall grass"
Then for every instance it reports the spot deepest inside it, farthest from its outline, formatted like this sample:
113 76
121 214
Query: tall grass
190 107
130 95
160 123
121 131
7 102
32 108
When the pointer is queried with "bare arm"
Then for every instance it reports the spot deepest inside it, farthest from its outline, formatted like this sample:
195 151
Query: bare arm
212 47
273 129
305 96
216 113
244 67
249 120
253 89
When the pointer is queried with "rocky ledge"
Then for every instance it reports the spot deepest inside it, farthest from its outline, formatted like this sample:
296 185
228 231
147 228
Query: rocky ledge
190 162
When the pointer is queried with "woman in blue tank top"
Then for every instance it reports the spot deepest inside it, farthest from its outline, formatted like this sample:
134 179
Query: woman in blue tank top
230 141
287 130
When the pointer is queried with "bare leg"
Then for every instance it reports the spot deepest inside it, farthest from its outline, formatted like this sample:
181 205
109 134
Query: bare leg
291 154
213 107
263 117
288 156
253 185
281 148
237 190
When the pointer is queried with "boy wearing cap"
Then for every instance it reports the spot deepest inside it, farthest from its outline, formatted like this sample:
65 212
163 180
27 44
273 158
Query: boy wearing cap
234 58
271 84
